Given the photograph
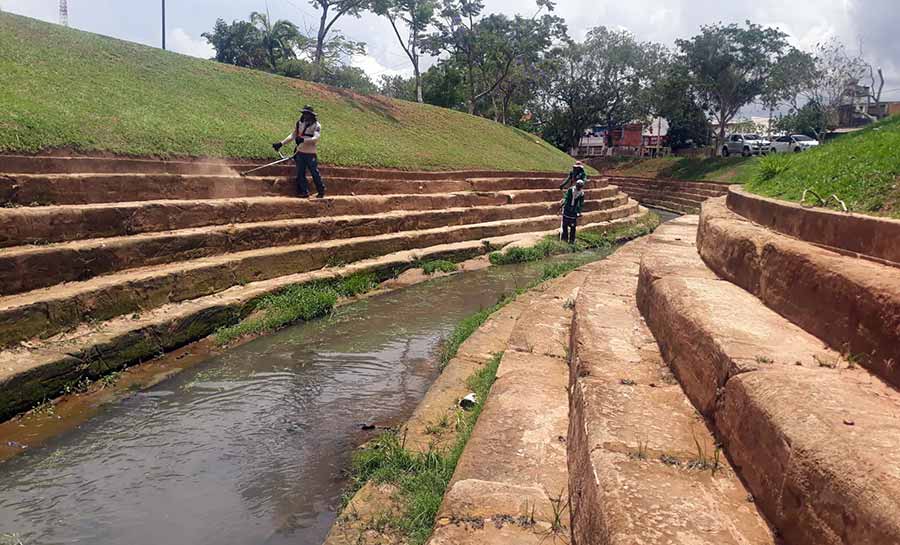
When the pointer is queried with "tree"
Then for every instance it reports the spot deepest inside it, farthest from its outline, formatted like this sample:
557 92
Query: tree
280 40
673 100
810 119
609 78
490 48
239 44
397 87
281 48
730 66
416 16
791 74
332 10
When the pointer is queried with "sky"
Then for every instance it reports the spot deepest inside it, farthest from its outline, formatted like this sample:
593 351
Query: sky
867 24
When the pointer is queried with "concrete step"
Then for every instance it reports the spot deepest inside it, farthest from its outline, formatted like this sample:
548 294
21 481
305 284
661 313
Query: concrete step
814 438
643 466
851 304
703 188
28 164
860 235
690 195
664 197
49 310
47 224
62 189
26 268
90 348
511 483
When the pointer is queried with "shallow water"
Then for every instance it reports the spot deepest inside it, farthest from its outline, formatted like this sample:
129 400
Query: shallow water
248 447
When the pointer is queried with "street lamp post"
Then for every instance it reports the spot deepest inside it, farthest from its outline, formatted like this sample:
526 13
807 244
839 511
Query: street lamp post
164 24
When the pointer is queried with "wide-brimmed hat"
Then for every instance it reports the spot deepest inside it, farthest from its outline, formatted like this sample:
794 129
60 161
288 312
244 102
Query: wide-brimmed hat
579 182
308 110
578 164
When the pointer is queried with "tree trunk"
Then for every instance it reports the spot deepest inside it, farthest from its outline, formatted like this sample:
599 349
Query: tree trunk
721 139
471 100
420 98
320 44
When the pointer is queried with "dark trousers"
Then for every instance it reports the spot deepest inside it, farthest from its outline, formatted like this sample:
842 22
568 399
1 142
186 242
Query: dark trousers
310 162
568 229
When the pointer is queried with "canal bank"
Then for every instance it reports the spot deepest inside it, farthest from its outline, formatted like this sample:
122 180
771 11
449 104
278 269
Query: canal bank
250 445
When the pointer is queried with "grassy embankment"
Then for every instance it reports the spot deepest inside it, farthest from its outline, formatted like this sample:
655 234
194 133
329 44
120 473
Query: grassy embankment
861 168
422 477
735 170
67 89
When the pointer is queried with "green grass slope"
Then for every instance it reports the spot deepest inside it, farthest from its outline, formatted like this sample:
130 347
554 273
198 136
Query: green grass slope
66 89
861 168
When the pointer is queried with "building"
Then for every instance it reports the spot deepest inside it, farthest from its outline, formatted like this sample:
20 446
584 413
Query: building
631 139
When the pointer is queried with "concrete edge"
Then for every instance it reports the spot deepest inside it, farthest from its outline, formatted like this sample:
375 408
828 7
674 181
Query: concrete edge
858 234
812 287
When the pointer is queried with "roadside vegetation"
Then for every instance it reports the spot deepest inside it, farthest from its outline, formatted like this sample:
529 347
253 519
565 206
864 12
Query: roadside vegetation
862 169
67 89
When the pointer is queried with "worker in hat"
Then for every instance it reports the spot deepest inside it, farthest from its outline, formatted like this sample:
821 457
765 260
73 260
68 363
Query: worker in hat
576 174
305 136
572 204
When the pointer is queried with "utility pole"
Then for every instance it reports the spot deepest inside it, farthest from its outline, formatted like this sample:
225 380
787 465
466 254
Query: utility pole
63 13
164 24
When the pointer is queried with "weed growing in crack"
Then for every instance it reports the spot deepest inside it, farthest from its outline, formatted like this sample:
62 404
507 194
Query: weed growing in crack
641 452
764 360
704 461
560 507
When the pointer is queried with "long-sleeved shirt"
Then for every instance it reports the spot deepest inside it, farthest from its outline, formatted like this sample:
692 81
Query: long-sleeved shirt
573 202
310 133
575 175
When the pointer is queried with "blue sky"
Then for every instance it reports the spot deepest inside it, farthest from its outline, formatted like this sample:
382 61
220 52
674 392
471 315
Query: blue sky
871 24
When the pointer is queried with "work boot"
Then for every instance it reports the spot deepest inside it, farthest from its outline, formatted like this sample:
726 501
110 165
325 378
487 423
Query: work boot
320 195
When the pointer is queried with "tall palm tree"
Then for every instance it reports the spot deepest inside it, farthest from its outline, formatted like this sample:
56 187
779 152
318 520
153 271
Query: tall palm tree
279 39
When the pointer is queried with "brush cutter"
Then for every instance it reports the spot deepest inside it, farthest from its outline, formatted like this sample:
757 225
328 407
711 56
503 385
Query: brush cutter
272 164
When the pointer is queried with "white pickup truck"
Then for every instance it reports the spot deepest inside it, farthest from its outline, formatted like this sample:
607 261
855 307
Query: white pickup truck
746 145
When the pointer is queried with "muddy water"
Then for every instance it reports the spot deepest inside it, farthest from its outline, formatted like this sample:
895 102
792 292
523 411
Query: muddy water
249 446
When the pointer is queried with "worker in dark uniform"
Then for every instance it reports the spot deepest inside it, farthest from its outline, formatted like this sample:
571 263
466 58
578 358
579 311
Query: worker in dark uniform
306 136
571 211
576 174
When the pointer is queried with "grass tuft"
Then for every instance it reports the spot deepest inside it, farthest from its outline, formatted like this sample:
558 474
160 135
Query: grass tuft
421 477
439 265
301 302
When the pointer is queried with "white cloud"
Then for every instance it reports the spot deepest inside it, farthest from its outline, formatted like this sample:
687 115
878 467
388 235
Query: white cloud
180 41
375 69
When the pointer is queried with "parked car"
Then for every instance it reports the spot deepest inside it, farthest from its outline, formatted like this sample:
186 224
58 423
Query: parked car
746 145
793 143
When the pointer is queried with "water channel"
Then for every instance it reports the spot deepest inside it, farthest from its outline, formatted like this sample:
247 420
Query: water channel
250 446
